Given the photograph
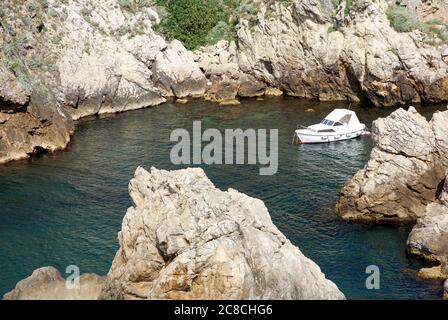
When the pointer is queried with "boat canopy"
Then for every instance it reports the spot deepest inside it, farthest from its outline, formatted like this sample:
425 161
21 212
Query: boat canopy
340 117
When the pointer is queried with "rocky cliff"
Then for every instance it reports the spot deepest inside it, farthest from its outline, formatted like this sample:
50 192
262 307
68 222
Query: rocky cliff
312 49
185 239
63 60
405 172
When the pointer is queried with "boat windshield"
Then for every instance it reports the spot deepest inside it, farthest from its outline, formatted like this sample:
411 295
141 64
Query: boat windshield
327 122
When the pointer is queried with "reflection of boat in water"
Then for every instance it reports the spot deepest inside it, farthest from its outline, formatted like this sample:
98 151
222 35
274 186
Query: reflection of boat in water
340 124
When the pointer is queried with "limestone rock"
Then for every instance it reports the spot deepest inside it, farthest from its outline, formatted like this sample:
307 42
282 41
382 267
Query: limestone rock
11 90
80 58
186 239
47 284
433 273
308 49
406 167
177 72
429 237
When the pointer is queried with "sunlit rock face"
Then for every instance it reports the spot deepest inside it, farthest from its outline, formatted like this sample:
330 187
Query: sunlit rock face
405 172
313 50
186 239
67 60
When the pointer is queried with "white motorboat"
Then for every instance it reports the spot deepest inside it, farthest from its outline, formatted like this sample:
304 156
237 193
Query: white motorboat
340 124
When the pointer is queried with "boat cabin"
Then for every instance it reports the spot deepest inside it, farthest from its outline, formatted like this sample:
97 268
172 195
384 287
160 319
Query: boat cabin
339 117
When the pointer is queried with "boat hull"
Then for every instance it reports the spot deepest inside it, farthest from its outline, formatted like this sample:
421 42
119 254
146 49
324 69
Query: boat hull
305 136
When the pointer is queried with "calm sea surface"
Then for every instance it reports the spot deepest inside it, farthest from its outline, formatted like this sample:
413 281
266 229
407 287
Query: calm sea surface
66 208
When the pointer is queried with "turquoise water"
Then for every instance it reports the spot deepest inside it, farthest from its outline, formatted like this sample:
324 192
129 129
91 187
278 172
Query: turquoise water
66 208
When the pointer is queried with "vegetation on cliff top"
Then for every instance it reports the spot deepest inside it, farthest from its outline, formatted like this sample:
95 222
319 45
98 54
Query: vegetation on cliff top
196 22
404 20
202 22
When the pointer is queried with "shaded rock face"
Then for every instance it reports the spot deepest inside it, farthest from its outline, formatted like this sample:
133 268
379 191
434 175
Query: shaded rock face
65 60
47 284
185 239
309 49
405 172
429 237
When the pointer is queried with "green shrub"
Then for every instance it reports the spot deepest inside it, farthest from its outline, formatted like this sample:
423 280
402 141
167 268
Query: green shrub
194 22
434 22
222 30
440 32
403 20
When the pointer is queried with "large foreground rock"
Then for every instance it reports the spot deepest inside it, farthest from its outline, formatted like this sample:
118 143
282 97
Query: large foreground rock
186 239
405 172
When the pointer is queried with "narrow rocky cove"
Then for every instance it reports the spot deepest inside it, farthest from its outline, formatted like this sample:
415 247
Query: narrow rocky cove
261 64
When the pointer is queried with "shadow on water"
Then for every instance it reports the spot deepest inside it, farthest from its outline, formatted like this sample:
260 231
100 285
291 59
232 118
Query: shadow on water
66 208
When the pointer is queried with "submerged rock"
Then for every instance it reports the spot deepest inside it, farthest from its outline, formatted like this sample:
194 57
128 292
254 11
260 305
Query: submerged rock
185 239
405 171
47 284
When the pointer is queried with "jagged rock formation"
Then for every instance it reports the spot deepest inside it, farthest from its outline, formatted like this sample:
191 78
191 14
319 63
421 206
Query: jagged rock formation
310 49
405 172
47 284
186 239
429 237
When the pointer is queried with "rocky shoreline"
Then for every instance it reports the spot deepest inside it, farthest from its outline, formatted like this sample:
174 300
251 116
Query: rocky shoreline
406 181
185 239
65 60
